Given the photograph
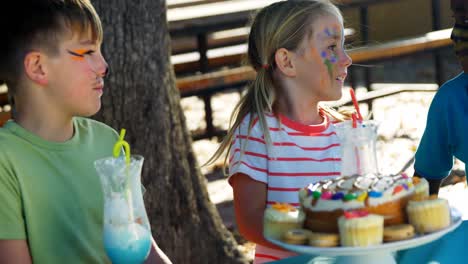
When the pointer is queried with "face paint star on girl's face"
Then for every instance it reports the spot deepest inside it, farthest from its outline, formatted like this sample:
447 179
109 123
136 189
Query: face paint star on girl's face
329 57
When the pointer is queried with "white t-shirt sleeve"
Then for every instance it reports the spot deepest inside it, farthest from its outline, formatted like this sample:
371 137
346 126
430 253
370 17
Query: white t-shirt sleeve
248 153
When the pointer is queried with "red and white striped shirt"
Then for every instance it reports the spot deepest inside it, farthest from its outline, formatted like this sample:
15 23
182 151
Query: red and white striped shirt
298 155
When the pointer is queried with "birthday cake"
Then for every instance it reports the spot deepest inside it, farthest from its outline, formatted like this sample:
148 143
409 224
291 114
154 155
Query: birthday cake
326 201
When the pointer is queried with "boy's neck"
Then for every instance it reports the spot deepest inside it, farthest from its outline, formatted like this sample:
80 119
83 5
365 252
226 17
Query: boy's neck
53 127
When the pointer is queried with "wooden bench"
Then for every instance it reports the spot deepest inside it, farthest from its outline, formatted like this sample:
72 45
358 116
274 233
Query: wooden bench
185 42
192 26
233 55
203 83
206 84
217 58
217 39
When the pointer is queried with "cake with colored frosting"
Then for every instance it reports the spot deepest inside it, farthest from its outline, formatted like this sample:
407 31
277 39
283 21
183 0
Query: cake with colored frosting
279 218
325 201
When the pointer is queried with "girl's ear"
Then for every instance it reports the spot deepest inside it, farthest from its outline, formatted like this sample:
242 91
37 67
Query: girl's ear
34 67
284 62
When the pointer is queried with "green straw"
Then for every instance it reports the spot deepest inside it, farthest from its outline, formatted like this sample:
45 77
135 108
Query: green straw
121 143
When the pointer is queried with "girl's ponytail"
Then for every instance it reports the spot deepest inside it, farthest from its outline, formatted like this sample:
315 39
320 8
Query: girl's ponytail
258 98
264 97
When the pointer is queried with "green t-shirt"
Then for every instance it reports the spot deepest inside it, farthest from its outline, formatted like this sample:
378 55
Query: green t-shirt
50 193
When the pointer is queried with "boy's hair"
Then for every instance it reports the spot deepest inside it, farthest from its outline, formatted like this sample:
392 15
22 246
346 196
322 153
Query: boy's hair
41 25
282 24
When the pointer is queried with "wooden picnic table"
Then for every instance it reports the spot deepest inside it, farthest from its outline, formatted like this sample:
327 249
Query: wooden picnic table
202 19
205 18
207 84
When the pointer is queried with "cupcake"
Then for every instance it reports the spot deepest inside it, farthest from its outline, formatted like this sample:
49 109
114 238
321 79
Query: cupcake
280 218
360 229
421 189
429 215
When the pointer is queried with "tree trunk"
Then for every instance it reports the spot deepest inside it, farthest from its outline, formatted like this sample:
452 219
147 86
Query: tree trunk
140 96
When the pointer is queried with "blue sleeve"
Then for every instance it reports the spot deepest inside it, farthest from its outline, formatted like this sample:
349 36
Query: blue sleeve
434 157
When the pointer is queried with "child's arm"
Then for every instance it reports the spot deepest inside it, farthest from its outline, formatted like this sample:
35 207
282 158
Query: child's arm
156 255
14 252
434 156
434 186
249 205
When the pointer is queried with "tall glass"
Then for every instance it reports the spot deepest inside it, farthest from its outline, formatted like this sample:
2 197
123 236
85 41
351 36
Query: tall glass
359 156
127 235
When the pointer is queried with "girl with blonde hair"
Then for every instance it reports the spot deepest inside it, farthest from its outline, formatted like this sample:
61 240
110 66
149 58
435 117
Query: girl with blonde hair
280 139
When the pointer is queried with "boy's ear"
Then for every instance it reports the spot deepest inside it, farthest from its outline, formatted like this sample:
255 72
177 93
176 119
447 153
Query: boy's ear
34 67
284 62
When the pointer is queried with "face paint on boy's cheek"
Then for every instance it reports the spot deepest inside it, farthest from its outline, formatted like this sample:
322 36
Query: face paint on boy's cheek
77 58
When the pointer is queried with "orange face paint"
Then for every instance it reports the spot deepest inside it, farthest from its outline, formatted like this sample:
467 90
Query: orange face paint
78 54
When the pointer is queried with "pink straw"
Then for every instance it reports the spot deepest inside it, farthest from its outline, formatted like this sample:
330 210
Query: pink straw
355 103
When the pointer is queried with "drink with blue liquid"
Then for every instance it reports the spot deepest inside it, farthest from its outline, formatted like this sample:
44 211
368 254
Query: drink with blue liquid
126 233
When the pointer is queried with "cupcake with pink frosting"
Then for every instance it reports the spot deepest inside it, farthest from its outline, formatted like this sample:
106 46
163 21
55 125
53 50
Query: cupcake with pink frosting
358 228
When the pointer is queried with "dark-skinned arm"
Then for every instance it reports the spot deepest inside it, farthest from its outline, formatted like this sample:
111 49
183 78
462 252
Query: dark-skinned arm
434 185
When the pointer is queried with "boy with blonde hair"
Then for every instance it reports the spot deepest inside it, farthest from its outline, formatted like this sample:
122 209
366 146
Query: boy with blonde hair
51 208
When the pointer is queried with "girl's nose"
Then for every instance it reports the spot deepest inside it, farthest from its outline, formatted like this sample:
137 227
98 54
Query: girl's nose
346 59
